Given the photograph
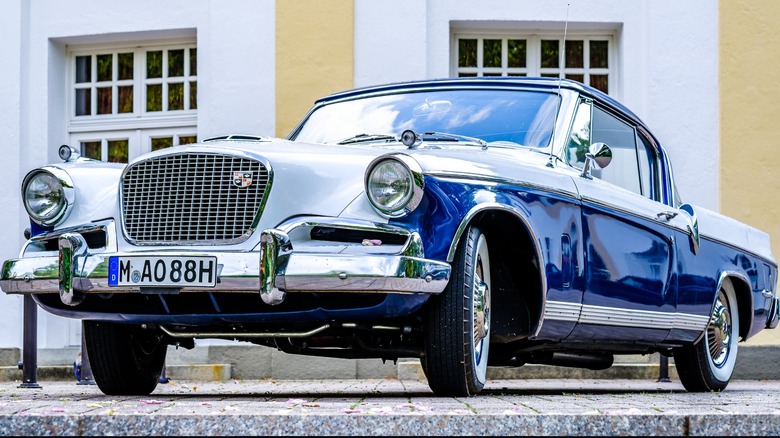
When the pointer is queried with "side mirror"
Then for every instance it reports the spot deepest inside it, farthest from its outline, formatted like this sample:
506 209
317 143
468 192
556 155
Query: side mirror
598 155
693 226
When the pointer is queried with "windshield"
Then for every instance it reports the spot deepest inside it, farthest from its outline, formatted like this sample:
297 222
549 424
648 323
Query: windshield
517 116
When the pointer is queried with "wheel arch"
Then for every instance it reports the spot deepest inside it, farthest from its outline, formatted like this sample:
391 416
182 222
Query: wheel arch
511 283
744 294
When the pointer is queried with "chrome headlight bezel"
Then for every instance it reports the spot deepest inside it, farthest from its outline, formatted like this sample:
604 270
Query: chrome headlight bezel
408 178
61 193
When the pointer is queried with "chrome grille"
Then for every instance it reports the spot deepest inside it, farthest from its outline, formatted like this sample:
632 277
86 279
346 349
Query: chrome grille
192 199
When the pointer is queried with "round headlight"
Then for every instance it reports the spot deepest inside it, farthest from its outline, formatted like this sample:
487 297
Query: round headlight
394 185
47 197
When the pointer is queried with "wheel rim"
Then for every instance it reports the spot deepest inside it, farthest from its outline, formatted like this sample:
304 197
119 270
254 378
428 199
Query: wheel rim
719 332
481 318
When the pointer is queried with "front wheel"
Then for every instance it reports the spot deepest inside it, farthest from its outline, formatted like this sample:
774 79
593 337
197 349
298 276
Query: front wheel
125 359
457 330
709 364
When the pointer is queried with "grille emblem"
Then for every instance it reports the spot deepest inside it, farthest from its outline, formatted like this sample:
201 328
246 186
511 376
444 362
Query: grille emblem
242 179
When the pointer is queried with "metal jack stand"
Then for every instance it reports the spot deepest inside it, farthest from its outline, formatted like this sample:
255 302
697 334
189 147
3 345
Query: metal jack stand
85 375
29 363
664 369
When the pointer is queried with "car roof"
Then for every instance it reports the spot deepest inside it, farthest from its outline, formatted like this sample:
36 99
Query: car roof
550 84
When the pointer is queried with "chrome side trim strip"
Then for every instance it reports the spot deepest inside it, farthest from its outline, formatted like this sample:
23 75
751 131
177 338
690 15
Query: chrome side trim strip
616 316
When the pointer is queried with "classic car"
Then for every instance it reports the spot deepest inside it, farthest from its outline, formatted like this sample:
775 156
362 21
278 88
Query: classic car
467 223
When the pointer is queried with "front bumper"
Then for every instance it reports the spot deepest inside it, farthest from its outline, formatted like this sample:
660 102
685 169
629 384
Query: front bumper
277 269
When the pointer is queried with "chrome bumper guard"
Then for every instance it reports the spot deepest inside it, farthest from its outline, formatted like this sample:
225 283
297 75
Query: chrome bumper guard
774 313
274 271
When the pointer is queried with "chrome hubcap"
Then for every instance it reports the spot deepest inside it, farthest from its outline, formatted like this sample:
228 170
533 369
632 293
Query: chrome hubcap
481 310
719 331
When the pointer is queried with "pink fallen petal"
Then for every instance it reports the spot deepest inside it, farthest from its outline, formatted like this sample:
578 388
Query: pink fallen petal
152 402
295 401
351 411
58 410
371 242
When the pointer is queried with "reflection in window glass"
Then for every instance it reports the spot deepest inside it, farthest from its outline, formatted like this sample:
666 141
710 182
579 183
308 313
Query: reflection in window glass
175 63
104 70
491 53
104 100
187 139
125 71
154 61
84 102
549 55
193 62
599 54
467 53
574 54
175 96
83 69
193 95
516 56
117 151
154 97
579 140
600 82
91 149
161 143
125 99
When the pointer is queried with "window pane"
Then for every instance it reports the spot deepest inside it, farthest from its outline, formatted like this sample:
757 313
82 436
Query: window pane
647 167
578 78
125 99
83 69
175 96
467 75
90 149
84 102
600 82
104 64
154 97
579 139
623 171
154 64
187 139
193 62
467 53
125 66
575 54
176 63
491 53
161 143
193 95
491 74
117 151
104 100
549 55
599 54
516 56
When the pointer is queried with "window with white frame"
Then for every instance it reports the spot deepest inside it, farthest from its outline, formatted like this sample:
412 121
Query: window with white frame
128 100
588 58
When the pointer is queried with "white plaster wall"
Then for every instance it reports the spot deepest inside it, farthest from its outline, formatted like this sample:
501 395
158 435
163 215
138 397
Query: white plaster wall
667 52
235 92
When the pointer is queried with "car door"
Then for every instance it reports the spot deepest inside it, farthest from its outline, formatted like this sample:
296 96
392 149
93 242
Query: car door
630 284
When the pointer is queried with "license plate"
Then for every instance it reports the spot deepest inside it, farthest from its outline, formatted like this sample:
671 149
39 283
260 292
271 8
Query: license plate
177 271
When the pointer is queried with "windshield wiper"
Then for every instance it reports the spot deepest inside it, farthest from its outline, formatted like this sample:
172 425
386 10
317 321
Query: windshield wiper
445 136
360 138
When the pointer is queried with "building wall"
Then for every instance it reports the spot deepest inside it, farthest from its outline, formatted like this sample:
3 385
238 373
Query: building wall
749 114
261 64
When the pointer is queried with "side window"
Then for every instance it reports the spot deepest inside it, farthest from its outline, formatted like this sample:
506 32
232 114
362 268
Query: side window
621 138
648 167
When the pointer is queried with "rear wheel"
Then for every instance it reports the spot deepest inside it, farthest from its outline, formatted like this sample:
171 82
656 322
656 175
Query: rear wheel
125 359
457 330
709 364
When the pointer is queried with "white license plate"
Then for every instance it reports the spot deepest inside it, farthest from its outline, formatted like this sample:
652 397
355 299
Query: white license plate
177 271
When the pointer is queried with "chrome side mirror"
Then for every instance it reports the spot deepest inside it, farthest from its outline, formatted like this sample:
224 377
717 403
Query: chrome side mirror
598 155
693 226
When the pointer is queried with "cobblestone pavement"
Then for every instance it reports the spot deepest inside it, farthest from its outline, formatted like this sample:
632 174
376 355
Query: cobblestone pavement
393 407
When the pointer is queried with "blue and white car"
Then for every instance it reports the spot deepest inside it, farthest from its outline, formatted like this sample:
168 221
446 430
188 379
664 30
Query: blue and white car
464 222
